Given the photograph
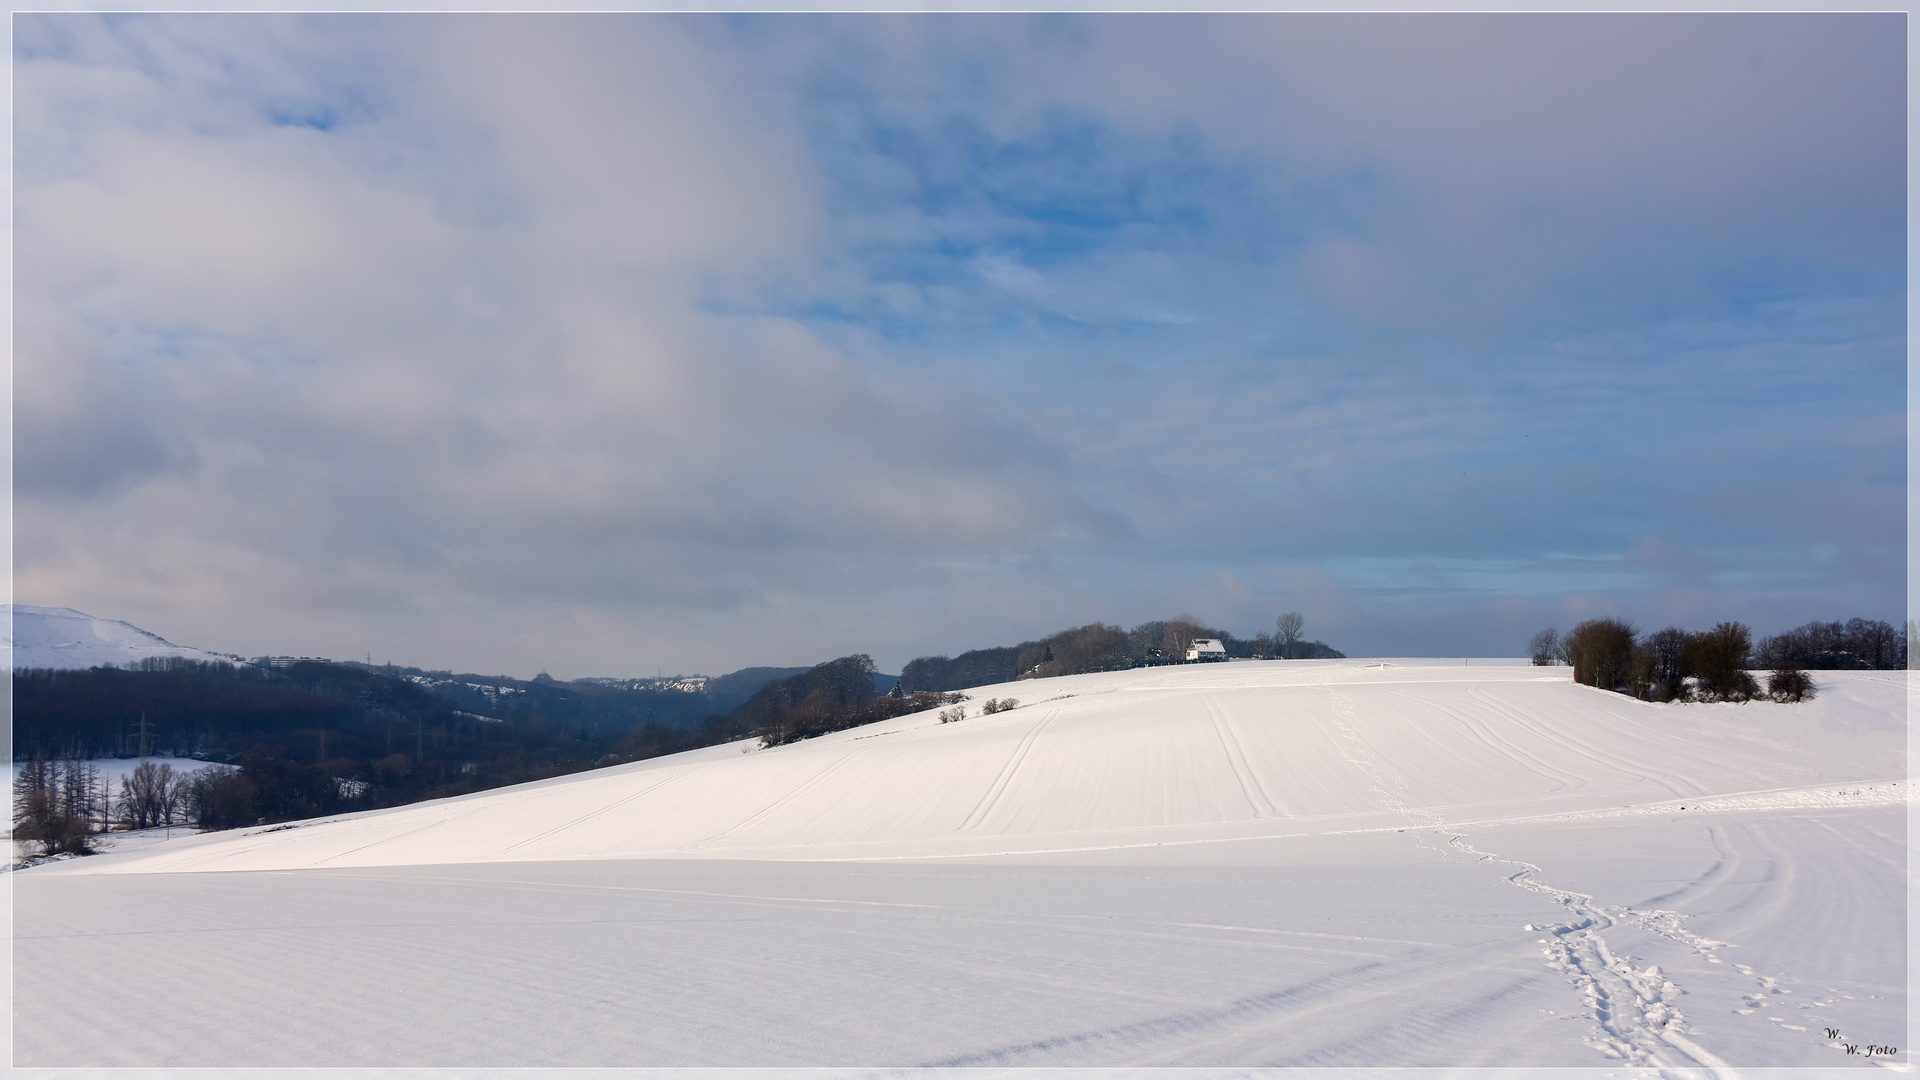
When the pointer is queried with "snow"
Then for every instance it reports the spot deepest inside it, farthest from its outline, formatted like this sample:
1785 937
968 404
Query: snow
129 840
1332 863
44 637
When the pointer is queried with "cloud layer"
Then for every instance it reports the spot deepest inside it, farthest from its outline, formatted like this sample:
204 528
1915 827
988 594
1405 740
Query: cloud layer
608 343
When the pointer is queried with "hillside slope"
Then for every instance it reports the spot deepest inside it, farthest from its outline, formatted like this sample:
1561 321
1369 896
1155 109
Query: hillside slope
1291 864
1143 758
62 638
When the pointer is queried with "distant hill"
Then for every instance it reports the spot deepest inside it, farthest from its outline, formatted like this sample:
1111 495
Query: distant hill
600 704
1090 648
65 639
729 692
62 639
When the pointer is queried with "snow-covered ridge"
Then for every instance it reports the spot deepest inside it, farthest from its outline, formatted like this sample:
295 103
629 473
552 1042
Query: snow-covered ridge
44 637
684 684
1124 760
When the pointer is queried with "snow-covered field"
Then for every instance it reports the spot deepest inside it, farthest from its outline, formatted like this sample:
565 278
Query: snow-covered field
1308 863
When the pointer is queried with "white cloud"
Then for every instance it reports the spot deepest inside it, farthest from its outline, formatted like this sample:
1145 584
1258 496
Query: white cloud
455 351
497 341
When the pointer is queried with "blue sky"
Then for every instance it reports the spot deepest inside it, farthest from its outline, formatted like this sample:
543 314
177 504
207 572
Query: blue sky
601 344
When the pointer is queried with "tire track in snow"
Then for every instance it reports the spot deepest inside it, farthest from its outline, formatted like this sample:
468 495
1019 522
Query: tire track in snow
1637 1020
1264 805
1568 780
1779 879
999 786
1558 733
1190 1025
1725 864
782 801
395 838
609 808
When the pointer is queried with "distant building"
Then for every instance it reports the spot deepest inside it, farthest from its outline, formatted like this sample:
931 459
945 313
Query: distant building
1207 648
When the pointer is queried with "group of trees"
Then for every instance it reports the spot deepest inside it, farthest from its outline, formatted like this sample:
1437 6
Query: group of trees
60 805
1715 665
299 741
833 696
1101 647
1857 644
55 805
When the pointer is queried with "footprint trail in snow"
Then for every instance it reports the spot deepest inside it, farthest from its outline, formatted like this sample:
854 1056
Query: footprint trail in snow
1634 1010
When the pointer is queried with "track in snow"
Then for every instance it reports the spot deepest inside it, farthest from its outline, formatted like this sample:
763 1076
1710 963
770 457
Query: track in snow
1197 867
998 789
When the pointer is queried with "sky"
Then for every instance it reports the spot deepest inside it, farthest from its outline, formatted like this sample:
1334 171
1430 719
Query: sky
623 344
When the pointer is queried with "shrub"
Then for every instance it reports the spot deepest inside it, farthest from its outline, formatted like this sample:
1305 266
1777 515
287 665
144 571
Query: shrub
1719 658
818 717
1544 648
1602 653
1789 684
995 705
953 715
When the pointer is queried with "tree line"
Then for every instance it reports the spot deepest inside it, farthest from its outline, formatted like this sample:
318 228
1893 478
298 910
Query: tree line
834 696
1717 664
1101 647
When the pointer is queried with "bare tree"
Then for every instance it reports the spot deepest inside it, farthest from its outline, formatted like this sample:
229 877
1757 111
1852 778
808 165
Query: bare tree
149 795
50 806
1544 648
35 799
1180 632
173 795
1287 632
1668 649
1721 656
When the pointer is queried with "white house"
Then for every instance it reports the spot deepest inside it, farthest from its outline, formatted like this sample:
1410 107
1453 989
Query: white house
1206 648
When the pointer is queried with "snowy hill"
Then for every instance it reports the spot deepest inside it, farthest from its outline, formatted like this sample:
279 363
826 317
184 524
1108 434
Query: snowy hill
1159 756
1323 864
44 637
